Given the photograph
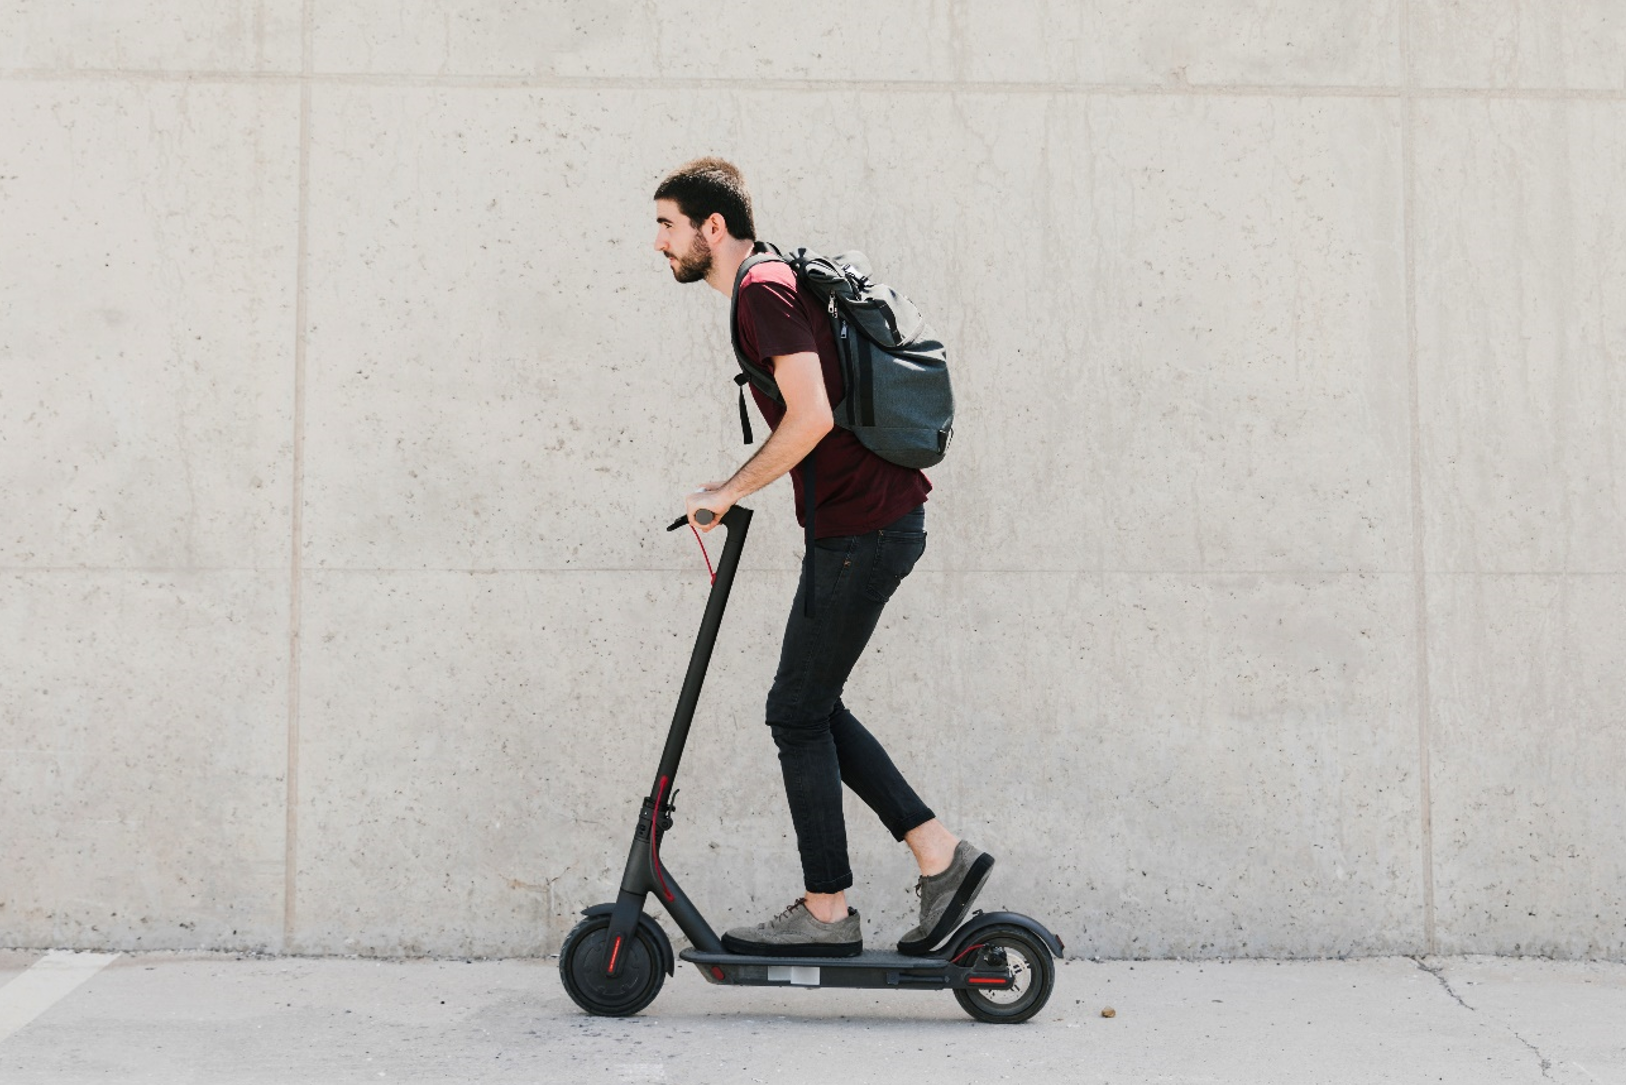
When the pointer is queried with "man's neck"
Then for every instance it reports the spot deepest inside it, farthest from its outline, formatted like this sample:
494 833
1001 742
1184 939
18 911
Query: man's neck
726 259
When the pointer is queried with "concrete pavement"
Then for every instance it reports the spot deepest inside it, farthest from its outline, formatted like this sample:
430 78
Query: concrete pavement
231 1020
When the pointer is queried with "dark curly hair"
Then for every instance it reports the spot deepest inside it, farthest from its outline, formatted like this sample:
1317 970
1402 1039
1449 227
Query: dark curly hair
709 186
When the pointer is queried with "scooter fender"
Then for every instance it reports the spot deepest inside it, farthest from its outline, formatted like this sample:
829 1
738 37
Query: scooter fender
983 920
649 926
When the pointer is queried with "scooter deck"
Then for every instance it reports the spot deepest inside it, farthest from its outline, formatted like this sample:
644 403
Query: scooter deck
871 969
870 958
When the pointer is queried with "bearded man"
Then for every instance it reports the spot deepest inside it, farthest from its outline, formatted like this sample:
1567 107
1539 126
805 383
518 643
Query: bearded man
870 521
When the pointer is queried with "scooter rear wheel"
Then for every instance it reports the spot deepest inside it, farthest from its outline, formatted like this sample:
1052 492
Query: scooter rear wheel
581 967
1032 968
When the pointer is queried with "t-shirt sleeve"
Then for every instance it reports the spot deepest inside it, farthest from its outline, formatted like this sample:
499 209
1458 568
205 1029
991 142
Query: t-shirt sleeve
772 324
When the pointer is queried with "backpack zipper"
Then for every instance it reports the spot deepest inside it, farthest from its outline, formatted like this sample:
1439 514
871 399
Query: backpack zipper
841 323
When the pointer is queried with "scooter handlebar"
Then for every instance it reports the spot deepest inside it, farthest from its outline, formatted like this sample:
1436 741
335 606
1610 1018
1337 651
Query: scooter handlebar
701 516
706 516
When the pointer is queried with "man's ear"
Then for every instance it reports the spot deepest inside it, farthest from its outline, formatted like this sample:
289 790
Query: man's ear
715 228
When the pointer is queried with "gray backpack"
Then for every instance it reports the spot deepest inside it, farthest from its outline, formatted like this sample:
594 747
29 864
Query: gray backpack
897 402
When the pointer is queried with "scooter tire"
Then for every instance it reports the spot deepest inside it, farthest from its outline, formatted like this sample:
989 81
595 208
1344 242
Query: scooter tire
1032 964
581 968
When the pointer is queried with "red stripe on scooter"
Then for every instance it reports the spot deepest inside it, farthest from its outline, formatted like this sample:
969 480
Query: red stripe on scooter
654 840
1001 981
615 952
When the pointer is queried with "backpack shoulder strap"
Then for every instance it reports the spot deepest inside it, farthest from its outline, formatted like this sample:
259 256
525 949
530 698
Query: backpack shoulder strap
753 374
750 370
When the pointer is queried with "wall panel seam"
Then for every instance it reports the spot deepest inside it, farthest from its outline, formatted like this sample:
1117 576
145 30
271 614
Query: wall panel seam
545 82
1408 196
684 570
297 509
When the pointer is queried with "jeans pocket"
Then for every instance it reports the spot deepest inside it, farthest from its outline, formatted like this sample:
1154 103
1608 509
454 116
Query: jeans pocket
895 555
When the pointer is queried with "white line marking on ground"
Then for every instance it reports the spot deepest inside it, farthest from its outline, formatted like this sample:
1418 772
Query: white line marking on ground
46 982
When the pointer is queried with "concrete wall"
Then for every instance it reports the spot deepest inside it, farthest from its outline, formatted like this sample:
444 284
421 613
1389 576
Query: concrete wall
1276 596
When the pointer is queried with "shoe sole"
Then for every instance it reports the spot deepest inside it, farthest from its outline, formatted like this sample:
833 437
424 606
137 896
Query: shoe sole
970 886
792 949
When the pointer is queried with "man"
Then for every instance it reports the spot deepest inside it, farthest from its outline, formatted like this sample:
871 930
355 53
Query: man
871 529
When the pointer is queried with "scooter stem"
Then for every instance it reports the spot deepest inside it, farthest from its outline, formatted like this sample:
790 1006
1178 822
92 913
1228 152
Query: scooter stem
644 874
738 521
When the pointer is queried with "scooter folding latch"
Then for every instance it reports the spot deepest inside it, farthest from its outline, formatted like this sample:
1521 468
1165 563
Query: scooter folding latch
646 818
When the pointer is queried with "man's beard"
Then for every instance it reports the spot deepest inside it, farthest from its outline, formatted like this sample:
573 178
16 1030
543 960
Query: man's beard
695 264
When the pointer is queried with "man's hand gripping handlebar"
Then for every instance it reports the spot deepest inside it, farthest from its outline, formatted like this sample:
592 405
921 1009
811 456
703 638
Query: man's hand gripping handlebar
701 516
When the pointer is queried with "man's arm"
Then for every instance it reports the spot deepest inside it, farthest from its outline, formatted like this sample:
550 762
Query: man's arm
807 419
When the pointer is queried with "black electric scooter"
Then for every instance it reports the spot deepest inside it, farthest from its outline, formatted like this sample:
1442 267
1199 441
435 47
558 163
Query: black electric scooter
999 965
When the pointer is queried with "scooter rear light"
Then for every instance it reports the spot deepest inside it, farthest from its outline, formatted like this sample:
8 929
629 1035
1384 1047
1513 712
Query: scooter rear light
718 973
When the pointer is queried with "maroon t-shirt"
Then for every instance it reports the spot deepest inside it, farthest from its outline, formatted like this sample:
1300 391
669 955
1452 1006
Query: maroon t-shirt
857 490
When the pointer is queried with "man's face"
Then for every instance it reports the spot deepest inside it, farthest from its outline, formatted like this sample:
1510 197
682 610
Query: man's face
684 247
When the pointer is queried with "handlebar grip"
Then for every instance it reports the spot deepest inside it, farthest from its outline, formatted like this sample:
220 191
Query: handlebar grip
703 516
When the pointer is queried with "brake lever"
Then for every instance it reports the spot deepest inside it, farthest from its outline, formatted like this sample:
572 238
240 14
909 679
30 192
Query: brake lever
701 516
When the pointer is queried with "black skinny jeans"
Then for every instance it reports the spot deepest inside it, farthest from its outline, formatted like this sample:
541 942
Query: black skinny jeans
821 744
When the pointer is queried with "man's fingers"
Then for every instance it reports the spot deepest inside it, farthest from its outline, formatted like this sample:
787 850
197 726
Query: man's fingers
698 505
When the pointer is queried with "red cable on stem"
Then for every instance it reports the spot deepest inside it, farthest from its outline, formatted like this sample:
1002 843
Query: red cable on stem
703 553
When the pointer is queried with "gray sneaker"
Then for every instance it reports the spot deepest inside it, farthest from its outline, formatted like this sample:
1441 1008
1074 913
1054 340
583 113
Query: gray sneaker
945 898
795 932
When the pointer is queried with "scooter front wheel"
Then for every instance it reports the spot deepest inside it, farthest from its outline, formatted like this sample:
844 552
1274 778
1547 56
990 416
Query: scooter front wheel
581 967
